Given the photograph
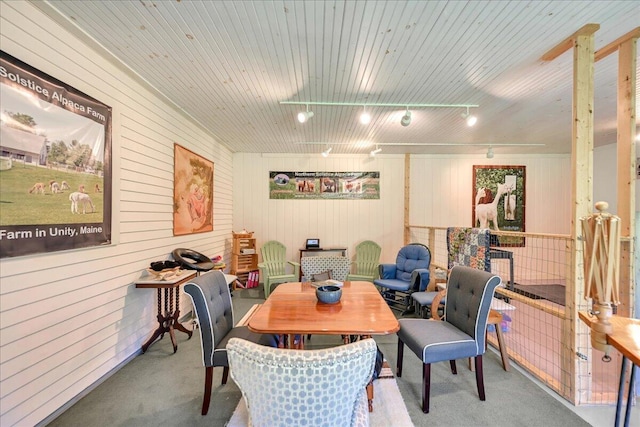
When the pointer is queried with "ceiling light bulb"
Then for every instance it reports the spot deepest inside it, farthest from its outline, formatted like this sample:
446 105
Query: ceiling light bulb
303 116
365 118
326 152
490 153
374 152
406 119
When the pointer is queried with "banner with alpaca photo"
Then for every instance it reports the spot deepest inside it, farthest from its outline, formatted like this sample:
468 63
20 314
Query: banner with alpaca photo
55 164
499 202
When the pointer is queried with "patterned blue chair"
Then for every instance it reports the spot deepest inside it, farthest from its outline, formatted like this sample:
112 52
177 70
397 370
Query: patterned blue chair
409 274
211 300
319 268
460 335
282 387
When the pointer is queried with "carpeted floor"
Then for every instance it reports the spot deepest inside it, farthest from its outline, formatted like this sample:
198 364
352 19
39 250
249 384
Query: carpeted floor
160 388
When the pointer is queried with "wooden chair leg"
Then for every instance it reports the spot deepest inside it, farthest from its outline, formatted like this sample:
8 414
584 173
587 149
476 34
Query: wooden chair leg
503 348
479 377
454 370
426 386
399 362
208 379
225 374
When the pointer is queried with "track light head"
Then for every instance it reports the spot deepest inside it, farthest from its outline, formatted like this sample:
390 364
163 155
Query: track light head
303 116
326 152
470 118
490 153
376 151
406 119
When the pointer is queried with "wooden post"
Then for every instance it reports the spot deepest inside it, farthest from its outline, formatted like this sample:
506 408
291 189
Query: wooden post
626 154
582 190
407 197
626 46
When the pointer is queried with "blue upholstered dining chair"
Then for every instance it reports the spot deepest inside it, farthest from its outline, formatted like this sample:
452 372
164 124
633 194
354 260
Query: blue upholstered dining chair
325 387
460 335
211 300
409 274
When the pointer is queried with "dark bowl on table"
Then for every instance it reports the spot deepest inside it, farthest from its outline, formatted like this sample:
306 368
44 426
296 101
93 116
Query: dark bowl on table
329 294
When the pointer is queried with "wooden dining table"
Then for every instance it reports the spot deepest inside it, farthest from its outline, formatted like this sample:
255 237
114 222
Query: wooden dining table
293 309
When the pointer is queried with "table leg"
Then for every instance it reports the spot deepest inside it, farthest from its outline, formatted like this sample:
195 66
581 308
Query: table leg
623 370
159 331
176 316
627 414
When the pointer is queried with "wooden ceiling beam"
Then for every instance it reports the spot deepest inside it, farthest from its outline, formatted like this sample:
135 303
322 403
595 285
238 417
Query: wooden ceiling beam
615 45
568 43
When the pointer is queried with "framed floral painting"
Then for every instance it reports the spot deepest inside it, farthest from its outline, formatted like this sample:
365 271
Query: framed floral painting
192 192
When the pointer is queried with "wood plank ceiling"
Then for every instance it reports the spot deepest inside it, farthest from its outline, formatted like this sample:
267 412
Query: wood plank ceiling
228 64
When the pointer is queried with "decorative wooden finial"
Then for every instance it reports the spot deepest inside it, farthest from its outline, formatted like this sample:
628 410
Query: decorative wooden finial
602 206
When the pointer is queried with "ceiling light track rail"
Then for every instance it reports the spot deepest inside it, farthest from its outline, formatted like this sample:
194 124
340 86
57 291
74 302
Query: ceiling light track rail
375 104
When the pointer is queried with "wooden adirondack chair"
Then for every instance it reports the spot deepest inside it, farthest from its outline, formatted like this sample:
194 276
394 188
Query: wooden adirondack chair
273 267
367 261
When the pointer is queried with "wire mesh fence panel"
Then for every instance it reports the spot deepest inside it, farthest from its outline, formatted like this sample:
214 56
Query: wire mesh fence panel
542 331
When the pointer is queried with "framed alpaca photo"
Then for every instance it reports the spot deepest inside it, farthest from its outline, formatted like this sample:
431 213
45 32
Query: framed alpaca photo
192 192
499 201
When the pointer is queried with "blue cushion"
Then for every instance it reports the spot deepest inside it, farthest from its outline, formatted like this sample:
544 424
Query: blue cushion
426 298
434 341
393 284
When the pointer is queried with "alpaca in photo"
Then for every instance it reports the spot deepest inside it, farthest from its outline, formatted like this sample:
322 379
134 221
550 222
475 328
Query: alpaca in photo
328 185
488 212
510 205
98 188
81 188
78 198
480 194
38 187
65 186
311 186
55 188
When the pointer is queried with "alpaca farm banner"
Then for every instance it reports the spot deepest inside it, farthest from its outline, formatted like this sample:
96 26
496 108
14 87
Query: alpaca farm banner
55 164
324 185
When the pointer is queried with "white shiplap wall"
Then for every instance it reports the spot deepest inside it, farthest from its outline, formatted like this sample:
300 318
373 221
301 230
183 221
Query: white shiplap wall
338 223
440 196
68 318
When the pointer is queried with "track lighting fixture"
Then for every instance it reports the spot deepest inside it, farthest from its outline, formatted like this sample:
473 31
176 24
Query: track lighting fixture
471 119
490 153
406 119
326 152
376 151
365 118
303 116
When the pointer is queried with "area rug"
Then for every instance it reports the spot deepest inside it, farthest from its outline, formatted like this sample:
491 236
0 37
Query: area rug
553 292
388 406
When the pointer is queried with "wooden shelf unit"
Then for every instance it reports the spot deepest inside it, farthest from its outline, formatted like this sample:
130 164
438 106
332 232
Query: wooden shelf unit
243 263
